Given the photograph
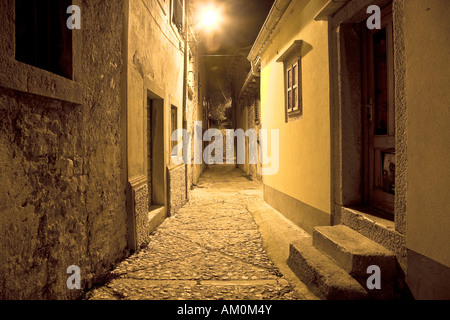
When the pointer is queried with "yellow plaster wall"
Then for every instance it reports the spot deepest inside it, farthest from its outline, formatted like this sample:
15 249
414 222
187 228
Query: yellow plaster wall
427 46
304 171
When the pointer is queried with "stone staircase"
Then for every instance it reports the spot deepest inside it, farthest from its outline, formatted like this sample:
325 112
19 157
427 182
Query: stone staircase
334 264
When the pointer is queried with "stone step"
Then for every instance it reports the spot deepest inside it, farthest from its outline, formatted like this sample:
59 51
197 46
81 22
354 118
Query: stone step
352 251
321 274
355 254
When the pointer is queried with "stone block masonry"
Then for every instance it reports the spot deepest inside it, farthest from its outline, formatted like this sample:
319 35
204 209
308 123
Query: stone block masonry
142 209
62 183
177 188
56 210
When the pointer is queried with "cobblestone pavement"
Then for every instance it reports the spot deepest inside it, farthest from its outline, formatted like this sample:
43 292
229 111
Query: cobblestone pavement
210 250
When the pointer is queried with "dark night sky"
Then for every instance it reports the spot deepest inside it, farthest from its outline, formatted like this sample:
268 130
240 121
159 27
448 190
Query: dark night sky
241 22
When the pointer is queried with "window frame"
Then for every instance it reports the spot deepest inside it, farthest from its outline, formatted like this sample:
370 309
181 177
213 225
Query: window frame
32 53
29 79
173 127
292 67
292 85
173 21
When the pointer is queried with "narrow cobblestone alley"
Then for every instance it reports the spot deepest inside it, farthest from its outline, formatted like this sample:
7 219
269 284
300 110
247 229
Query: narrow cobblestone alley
210 250
116 119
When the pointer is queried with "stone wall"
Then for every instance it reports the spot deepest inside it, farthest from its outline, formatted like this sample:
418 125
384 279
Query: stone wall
154 69
177 188
142 209
69 148
62 191
199 102
246 93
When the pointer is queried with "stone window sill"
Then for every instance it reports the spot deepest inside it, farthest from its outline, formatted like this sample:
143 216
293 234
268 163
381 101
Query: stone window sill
294 116
25 78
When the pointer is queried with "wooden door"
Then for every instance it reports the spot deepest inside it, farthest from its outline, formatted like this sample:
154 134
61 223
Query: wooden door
379 113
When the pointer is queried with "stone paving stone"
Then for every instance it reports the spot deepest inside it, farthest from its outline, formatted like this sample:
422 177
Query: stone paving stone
210 250
205 267
150 290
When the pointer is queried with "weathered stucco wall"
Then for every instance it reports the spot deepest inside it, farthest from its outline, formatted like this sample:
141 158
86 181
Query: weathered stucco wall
62 191
199 113
304 149
154 57
254 169
196 97
245 120
155 70
242 123
245 92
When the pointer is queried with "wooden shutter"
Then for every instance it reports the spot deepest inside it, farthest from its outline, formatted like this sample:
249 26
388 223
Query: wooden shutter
295 98
178 14
289 89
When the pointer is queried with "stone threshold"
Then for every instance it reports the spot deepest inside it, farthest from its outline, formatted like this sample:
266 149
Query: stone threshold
156 216
377 229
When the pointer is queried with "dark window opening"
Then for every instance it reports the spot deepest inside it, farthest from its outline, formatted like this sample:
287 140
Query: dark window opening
149 149
256 109
178 14
174 126
42 37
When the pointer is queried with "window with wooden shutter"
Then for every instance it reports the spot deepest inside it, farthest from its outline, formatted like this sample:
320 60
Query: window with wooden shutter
289 89
291 60
173 127
257 112
177 18
295 95
293 86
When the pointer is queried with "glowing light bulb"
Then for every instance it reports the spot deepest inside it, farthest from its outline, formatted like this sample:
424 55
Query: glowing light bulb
209 18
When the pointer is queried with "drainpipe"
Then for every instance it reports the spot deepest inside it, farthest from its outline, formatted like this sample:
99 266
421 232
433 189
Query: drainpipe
185 74
275 14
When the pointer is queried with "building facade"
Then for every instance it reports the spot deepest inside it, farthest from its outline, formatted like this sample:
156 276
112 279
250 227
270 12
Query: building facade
362 113
246 104
85 144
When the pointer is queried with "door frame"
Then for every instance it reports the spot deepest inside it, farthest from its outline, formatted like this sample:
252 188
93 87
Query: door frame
347 172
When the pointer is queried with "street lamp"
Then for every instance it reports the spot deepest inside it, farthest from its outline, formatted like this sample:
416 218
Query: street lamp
209 18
